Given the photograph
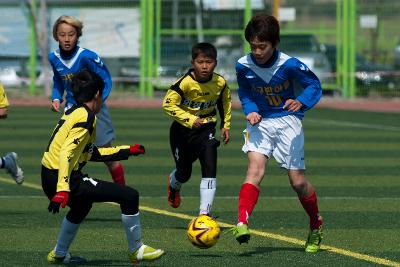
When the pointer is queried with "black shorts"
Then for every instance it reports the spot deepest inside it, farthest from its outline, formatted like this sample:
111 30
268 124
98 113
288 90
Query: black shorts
188 145
86 190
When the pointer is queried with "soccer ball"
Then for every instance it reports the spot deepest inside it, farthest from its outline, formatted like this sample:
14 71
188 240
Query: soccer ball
203 231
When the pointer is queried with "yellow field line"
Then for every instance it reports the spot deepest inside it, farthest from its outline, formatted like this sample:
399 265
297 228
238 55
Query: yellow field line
283 238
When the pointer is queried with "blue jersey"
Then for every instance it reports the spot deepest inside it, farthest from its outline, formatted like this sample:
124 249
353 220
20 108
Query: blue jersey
65 69
265 88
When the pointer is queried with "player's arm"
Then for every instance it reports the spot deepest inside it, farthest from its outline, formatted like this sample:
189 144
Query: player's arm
114 153
95 63
244 93
224 106
312 90
3 103
57 92
171 106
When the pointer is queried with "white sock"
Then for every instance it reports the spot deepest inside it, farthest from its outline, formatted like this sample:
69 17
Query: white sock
208 186
1 163
133 231
67 234
175 184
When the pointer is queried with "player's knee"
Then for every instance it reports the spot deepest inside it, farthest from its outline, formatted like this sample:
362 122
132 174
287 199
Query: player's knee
130 200
300 187
77 215
183 175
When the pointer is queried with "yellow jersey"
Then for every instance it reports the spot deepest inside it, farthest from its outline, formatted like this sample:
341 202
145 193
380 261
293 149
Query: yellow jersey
188 100
72 144
3 98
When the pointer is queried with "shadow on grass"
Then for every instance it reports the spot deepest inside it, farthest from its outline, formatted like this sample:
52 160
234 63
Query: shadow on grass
262 250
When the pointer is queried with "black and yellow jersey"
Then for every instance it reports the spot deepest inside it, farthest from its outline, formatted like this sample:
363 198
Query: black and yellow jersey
72 144
3 97
188 99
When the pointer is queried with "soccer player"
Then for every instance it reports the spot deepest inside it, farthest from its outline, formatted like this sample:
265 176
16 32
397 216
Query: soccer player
192 102
66 62
70 147
9 161
273 111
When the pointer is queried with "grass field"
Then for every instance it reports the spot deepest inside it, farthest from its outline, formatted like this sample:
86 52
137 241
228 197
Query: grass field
353 159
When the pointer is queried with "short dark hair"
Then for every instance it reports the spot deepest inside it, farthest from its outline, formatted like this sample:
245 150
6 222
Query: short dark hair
85 85
204 48
264 27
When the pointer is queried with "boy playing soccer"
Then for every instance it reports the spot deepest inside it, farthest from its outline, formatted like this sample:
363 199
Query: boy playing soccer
273 112
9 161
66 62
192 102
70 147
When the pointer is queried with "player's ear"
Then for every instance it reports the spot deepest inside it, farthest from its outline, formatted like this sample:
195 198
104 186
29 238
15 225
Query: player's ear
97 95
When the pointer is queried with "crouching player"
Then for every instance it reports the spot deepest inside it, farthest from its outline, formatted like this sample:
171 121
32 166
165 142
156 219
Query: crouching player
71 146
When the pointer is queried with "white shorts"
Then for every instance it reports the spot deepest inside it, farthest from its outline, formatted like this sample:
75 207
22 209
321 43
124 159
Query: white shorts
283 138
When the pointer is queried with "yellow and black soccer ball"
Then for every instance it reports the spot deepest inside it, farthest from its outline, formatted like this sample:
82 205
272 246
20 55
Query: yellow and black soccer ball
203 231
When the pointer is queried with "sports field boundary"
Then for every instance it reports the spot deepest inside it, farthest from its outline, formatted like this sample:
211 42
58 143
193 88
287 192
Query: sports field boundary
362 104
282 238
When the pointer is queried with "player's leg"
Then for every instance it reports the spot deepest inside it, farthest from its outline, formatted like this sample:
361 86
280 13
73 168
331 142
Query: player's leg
105 134
208 161
249 193
308 199
128 198
9 162
289 153
117 171
183 156
70 224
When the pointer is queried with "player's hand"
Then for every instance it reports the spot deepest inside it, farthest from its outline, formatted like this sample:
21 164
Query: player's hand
225 135
55 105
198 123
136 149
60 199
253 118
292 105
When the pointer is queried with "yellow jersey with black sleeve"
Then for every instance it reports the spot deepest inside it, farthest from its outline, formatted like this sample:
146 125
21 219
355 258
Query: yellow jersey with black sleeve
187 99
72 144
3 97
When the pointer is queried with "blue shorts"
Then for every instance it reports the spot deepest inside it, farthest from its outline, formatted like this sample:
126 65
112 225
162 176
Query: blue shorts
105 133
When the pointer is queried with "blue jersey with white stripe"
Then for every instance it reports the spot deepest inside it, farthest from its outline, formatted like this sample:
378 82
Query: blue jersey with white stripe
265 88
65 69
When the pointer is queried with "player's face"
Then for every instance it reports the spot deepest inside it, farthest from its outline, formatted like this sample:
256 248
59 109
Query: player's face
97 103
261 50
203 67
67 36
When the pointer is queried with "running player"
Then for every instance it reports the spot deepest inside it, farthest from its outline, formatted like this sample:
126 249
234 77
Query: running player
9 160
266 78
192 102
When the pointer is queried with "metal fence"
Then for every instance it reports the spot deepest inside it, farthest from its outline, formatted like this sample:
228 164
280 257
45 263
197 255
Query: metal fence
352 45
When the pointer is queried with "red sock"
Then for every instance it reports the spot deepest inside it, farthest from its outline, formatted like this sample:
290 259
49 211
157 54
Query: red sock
310 205
117 175
248 197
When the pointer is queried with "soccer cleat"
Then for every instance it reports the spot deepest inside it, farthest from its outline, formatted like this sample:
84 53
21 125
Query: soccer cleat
67 259
314 239
173 196
241 233
145 253
10 164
